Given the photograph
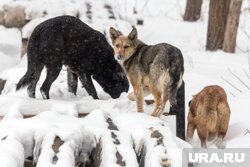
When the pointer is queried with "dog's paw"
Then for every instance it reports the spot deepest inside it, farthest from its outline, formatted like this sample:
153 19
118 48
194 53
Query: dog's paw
154 114
131 96
220 144
189 140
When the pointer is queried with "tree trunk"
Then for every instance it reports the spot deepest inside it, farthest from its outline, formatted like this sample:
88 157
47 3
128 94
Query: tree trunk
232 26
193 10
218 12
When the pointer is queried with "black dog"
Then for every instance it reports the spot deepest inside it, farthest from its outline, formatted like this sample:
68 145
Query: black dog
66 40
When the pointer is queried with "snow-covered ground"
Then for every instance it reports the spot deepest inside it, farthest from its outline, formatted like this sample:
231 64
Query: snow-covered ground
58 116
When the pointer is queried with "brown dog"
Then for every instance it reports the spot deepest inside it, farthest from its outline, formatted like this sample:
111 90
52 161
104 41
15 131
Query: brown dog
156 69
209 113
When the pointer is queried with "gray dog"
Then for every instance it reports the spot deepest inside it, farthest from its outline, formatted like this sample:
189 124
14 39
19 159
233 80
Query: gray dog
156 69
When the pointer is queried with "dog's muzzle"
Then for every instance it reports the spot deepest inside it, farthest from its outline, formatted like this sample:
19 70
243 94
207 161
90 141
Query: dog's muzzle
119 57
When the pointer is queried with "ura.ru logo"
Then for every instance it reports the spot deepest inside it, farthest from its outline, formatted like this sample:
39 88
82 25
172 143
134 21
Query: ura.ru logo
216 158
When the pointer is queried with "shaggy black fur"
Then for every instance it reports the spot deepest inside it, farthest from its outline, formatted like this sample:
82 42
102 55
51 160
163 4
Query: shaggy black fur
66 40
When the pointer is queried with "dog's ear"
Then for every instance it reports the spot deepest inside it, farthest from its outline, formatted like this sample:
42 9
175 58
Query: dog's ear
133 34
114 33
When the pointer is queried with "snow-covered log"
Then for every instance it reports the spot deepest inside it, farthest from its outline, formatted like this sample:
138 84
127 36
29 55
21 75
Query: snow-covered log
99 139
60 136
156 151
58 142
110 11
11 152
115 149
53 151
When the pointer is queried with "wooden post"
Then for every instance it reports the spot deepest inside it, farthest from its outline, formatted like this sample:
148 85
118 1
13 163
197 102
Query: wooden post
193 10
232 26
218 12
179 111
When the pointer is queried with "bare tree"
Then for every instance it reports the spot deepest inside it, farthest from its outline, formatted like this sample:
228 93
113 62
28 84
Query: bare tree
218 12
193 10
232 26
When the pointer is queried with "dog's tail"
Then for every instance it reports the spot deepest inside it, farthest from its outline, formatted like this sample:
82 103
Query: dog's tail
175 70
210 111
32 74
206 116
175 82
171 83
175 85
25 80
34 67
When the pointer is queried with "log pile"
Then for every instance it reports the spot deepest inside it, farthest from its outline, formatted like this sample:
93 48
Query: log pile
109 146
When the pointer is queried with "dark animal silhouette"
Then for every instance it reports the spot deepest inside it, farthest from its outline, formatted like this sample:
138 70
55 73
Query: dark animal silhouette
66 40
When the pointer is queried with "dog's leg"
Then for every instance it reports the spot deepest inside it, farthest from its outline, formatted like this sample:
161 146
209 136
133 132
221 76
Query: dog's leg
219 143
157 97
72 81
202 133
52 74
190 131
162 106
211 136
139 97
87 83
32 85
190 127
223 111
